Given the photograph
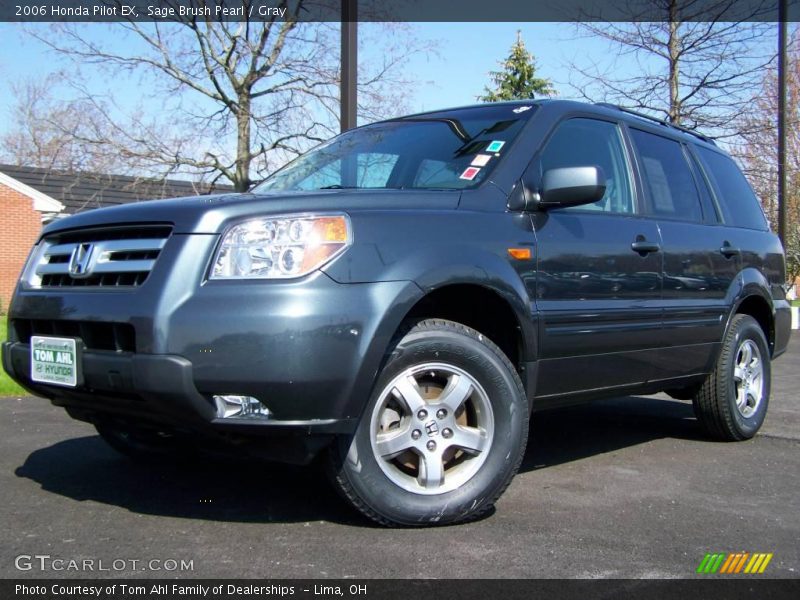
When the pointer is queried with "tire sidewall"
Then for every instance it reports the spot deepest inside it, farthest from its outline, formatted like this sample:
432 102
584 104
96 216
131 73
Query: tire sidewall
510 412
748 329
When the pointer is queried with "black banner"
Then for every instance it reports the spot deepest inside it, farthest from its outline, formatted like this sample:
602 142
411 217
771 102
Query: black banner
395 10
735 588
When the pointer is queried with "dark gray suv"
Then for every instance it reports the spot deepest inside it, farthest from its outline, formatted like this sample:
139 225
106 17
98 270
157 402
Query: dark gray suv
399 301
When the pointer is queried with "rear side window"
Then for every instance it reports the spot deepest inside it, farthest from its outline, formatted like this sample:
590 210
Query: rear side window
667 177
736 199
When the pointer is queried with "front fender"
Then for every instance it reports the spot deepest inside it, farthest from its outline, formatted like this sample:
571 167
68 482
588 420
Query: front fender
438 248
467 266
429 249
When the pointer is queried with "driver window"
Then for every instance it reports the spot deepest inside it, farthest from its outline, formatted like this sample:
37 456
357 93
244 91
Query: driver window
587 142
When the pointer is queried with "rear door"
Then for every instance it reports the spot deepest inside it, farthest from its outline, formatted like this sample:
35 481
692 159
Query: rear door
700 263
746 233
743 229
598 286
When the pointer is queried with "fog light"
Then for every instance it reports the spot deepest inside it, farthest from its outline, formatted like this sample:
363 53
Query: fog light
240 407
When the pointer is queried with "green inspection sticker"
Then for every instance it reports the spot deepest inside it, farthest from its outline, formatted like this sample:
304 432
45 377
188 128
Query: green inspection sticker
54 360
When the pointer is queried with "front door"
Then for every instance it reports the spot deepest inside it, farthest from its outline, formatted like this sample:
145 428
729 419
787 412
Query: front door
599 278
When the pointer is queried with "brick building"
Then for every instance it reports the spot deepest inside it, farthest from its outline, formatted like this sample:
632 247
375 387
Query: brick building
23 211
30 197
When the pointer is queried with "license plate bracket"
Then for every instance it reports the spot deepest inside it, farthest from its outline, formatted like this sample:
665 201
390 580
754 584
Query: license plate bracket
56 360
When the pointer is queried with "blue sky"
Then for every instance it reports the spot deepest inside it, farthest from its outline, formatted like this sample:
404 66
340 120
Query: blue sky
455 75
468 51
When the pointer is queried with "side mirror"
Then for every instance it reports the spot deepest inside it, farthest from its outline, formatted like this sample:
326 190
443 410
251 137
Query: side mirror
571 186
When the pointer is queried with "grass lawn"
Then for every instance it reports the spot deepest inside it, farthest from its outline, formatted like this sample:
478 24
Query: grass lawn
7 387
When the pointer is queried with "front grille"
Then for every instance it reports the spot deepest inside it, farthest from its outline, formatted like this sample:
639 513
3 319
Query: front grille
104 280
112 257
114 337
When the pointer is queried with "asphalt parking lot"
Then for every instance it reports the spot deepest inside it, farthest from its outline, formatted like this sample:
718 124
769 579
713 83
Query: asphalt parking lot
621 488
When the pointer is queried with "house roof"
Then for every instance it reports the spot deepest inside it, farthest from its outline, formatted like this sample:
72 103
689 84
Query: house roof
41 202
77 192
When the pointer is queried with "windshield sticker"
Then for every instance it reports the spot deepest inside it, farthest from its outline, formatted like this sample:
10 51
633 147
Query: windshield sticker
480 160
521 109
495 146
470 173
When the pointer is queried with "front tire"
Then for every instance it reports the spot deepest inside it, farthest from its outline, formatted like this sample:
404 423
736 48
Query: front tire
732 403
442 435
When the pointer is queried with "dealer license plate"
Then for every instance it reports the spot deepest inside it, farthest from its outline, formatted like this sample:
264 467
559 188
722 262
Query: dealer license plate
55 360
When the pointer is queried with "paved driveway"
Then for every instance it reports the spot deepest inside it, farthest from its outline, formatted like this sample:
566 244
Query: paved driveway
621 488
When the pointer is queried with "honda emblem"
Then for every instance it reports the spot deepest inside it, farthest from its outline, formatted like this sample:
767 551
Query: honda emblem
81 261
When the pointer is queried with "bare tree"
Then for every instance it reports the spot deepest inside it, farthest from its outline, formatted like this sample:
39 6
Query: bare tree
758 152
697 67
237 98
58 138
54 135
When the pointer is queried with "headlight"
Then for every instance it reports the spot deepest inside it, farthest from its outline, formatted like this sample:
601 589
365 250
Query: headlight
280 247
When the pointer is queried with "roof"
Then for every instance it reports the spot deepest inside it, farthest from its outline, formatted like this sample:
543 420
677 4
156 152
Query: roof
623 113
79 191
516 103
41 202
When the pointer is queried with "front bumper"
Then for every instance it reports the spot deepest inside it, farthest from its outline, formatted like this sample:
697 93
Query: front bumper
308 349
155 390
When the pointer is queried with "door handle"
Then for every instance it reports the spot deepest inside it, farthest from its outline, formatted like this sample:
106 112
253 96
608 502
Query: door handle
729 251
643 247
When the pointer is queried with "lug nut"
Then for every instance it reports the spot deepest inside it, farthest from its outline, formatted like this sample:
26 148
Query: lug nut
416 434
422 414
431 445
447 433
441 413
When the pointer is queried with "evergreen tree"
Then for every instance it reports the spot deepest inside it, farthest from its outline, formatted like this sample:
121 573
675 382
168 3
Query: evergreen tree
517 80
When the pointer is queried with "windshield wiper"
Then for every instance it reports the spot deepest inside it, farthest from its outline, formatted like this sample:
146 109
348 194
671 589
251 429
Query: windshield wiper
336 186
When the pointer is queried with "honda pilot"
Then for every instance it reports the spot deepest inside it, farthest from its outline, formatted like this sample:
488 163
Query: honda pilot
399 301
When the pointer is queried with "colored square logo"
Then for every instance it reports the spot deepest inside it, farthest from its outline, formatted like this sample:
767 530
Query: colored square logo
470 173
734 563
495 146
480 160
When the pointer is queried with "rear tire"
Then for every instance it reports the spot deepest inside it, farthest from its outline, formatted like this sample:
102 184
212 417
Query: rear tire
732 403
442 435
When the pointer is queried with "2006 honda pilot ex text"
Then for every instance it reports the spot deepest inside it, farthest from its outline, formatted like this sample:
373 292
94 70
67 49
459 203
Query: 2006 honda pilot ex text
399 300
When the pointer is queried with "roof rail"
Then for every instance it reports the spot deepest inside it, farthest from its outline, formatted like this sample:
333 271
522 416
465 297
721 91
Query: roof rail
656 120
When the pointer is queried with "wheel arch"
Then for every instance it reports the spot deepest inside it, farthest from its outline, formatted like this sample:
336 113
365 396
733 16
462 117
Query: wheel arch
756 306
755 300
482 308
482 282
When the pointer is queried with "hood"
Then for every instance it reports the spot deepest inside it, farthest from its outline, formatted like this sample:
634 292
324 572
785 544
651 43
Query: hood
211 214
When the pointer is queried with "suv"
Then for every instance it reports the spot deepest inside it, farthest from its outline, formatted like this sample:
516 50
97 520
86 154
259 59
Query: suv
400 299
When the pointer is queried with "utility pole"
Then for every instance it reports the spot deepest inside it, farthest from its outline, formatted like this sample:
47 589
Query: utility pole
348 109
782 121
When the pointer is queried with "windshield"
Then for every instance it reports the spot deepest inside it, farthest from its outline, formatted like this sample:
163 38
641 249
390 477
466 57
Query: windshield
448 150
